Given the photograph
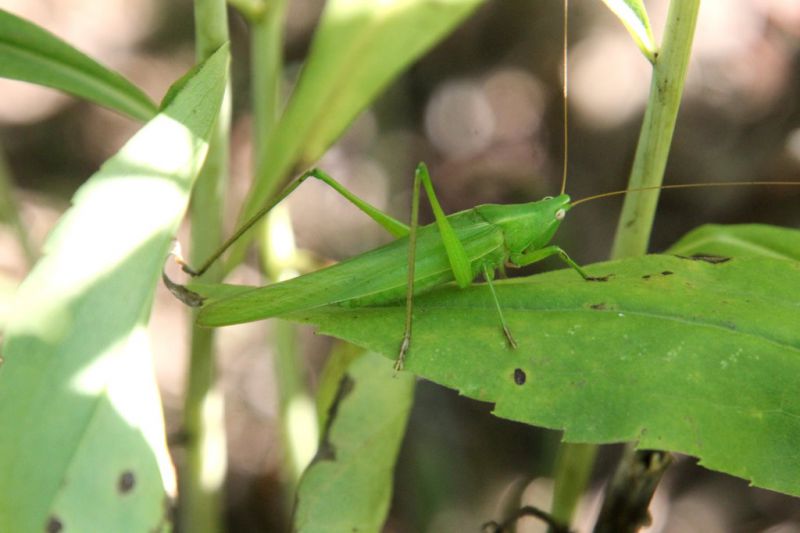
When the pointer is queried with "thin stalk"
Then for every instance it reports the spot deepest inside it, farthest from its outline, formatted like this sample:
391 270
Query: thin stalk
297 415
655 138
203 474
574 464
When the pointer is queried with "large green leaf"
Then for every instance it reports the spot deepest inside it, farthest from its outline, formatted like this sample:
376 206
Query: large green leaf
83 447
30 53
695 356
348 486
633 15
740 240
360 46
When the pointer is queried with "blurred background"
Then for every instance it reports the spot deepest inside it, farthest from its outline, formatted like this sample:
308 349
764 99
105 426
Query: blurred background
483 109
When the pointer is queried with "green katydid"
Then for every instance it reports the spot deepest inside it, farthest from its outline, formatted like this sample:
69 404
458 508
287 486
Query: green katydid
458 247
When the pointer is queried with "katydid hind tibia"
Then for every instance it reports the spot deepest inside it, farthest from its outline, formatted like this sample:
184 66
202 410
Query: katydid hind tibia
458 247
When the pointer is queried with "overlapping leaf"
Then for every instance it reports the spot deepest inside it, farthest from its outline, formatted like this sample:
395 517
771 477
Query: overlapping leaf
30 53
78 400
739 240
348 486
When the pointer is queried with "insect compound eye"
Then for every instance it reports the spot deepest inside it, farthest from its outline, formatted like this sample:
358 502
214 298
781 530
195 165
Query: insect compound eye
560 214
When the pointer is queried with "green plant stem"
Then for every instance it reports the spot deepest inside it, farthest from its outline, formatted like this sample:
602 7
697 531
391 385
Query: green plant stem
655 138
295 405
202 478
574 465
575 462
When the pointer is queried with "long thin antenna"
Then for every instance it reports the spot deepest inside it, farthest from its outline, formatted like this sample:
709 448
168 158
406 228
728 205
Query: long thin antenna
691 186
565 86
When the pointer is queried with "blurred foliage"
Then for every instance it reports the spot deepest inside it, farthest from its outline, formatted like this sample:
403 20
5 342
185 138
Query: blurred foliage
78 366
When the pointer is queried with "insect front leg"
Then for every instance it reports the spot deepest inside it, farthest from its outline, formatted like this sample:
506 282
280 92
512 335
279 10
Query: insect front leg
534 256
395 227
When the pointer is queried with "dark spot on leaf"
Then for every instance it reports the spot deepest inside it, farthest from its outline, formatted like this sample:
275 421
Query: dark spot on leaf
713 259
54 525
646 276
667 273
126 482
598 278
599 307
519 376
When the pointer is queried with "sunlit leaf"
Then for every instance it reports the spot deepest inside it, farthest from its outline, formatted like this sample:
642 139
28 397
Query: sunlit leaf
84 446
30 53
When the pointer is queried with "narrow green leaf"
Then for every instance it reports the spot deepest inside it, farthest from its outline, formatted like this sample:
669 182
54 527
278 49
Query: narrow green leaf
30 53
86 448
348 486
740 240
360 46
633 15
694 356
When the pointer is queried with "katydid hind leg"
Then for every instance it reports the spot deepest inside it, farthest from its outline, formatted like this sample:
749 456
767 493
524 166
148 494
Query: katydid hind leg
456 254
393 226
